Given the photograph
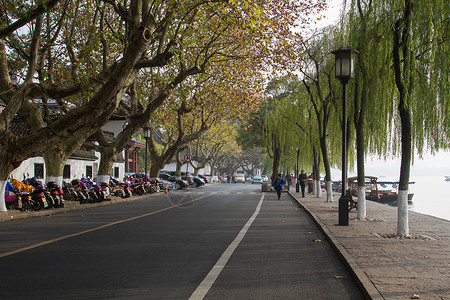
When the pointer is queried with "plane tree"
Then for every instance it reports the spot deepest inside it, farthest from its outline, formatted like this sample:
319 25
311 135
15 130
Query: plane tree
228 39
210 144
194 108
81 54
85 55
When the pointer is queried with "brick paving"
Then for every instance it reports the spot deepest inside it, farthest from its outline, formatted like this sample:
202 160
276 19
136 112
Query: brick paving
388 267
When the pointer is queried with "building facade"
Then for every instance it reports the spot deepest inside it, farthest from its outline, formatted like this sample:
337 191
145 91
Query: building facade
80 164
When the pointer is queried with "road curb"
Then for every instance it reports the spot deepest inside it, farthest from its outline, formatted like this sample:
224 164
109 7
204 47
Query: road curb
69 206
359 276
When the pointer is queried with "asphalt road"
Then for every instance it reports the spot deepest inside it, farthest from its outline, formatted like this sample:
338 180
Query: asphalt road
225 241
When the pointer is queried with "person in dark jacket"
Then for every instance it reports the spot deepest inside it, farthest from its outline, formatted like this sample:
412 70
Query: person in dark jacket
278 185
302 178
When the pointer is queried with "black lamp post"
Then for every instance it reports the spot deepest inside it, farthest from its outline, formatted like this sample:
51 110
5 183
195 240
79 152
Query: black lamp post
297 185
344 72
146 130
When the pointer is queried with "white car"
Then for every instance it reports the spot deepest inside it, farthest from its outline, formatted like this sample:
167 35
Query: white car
257 179
265 178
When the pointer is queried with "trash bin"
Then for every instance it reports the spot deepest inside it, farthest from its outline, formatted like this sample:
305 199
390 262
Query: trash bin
265 187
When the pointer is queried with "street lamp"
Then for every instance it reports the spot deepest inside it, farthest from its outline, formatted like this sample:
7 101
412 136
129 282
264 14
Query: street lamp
146 130
297 185
344 72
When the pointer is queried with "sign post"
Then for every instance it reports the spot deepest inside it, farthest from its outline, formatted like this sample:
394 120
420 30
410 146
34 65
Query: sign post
187 159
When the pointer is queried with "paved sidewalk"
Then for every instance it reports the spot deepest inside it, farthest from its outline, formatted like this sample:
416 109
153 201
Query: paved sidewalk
388 267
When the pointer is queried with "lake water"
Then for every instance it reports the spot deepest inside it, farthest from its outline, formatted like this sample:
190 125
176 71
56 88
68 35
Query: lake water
431 196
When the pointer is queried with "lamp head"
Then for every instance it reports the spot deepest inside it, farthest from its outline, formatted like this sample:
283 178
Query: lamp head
344 64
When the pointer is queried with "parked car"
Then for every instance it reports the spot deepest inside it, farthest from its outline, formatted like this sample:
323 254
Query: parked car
212 178
181 184
198 181
257 179
189 178
205 178
265 178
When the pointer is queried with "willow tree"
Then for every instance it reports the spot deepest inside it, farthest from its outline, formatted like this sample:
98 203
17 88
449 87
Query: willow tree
407 39
371 113
308 134
278 130
301 140
320 85
419 33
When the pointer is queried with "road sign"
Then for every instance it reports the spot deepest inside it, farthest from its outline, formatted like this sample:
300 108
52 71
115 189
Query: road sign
187 157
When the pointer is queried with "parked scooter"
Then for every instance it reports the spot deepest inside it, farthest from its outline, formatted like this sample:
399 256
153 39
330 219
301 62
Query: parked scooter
40 194
116 189
69 192
94 190
138 187
12 197
56 192
82 191
24 192
106 191
150 187
126 186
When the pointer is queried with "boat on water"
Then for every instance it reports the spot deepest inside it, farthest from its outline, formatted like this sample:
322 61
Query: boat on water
379 191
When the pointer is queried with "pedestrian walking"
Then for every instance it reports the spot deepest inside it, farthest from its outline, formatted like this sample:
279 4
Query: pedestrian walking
288 180
302 178
278 185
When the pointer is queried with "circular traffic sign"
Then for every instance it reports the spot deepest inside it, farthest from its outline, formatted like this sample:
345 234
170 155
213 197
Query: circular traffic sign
187 157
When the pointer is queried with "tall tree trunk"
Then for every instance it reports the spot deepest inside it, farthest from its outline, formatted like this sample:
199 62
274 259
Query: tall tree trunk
316 174
156 167
55 160
360 104
108 157
403 76
179 164
5 169
276 162
326 164
361 172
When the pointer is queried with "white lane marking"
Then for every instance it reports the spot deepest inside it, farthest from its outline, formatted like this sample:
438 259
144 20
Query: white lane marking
201 291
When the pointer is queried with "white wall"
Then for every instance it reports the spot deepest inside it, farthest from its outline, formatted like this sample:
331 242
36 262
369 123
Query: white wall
77 168
173 167
27 166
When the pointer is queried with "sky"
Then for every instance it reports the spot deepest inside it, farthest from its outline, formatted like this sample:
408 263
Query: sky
429 165
331 13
